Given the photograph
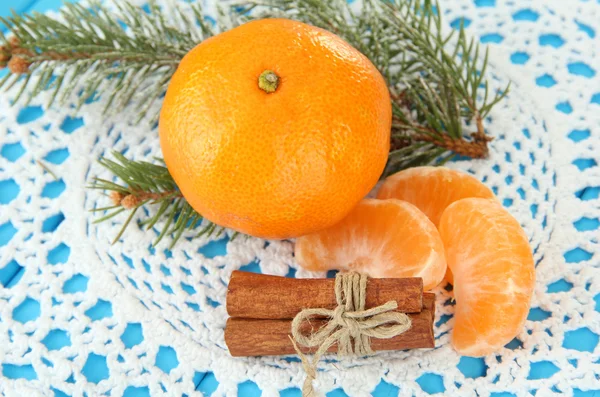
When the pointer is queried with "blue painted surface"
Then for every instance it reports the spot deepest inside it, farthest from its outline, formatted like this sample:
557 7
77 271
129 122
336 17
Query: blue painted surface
579 135
102 309
295 392
47 5
77 283
95 368
133 335
9 190
383 389
542 370
537 314
587 224
586 393
59 254
57 156
166 359
519 58
590 193
7 232
545 81
582 339
431 383
564 107
12 371
136 392
526 15
336 393
29 114
249 389
584 164
27 311
54 189
208 384
560 286
15 278
70 124
12 151
56 339
472 367
19 6
587 29
552 40
577 255
456 24
214 248
253 267
59 393
581 69
8 271
491 38
52 223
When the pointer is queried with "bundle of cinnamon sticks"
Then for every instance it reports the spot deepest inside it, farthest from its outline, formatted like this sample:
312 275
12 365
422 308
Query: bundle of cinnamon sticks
261 309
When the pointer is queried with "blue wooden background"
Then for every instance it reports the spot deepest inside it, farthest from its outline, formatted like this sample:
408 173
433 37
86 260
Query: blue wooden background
205 382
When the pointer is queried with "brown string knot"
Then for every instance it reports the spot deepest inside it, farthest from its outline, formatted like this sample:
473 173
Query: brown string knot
350 325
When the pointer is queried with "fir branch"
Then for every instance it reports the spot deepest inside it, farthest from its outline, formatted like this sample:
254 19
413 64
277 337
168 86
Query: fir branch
123 55
440 96
147 184
434 78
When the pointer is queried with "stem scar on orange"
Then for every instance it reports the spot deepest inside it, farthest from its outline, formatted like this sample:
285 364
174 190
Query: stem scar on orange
275 128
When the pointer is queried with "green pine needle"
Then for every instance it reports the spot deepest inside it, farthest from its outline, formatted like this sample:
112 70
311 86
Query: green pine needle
91 52
147 184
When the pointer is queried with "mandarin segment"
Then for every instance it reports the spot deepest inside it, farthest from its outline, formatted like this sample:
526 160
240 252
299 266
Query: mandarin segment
432 189
382 238
283 161
494 274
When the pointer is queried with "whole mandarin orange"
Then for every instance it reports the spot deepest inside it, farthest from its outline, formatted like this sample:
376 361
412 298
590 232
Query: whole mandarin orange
275 128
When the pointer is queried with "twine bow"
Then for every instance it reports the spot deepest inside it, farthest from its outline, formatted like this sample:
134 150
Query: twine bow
349 325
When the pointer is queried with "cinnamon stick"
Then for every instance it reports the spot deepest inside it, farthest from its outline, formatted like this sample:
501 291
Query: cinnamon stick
270 337
259 296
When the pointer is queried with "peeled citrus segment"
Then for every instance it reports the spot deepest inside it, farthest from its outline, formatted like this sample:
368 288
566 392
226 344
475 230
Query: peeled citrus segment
382 238
432 189
494 274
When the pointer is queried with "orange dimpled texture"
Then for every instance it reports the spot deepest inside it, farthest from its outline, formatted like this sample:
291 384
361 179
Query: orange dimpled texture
494 274
432 189
275 164
382 238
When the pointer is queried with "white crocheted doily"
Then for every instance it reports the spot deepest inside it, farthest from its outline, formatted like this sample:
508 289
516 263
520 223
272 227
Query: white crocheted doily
87 292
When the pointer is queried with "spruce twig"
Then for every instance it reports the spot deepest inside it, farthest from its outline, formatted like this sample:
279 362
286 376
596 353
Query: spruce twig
440 96
148 184
122 55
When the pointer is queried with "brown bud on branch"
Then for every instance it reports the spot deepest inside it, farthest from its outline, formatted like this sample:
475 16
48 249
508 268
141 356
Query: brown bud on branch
130 202
4 54
15 57
14 41
116 198
18 65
